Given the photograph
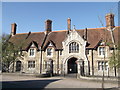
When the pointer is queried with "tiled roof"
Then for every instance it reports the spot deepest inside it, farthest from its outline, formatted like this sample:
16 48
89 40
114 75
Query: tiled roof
57 37
25 39
94 35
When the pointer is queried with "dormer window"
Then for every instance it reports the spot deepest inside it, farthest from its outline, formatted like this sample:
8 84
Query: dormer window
73 47
101 51
32 52
49 51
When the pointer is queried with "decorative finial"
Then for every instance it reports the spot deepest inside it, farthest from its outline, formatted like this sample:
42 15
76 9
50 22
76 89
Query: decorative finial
74 27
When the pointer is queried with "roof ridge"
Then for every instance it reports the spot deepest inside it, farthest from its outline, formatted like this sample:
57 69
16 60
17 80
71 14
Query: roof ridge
91 28
99 28
66 30
37 32
31 32
96 28
59 31
21 33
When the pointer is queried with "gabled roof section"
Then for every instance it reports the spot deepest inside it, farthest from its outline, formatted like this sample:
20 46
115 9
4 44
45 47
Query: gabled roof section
29 45
94 35
24 40
57 37
48 43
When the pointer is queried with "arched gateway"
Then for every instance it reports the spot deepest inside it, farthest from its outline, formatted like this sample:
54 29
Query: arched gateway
72 65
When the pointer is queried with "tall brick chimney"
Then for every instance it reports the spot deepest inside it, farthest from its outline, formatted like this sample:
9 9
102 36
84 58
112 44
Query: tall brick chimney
13 29
48 26
69 24
110 21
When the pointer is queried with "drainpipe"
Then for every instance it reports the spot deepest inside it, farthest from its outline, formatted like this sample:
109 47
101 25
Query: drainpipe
41 52
92 64
41 63
58 63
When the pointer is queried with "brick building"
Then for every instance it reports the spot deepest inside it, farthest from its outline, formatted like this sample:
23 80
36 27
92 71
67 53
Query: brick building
67 51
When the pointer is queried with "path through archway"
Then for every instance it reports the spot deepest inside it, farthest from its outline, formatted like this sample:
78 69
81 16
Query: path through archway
72 65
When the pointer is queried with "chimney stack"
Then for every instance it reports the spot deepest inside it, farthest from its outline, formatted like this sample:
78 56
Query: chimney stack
48 26
13 29
85 34
110 21
69 24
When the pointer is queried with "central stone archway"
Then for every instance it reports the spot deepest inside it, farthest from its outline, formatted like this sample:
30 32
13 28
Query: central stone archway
72 65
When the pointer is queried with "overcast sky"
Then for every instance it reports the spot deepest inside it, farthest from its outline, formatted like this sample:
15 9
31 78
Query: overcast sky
31 16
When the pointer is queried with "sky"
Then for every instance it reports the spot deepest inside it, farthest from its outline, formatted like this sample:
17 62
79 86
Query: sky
31 16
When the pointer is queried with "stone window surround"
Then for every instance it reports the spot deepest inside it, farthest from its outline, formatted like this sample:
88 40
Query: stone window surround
105 51
73 47
101 65
31 64
50 52
32 53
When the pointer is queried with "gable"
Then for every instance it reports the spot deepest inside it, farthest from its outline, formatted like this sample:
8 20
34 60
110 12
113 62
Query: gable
56 37
49 44
33 44
73 36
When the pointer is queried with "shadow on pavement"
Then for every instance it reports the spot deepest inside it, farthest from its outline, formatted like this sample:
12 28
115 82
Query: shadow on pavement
27 84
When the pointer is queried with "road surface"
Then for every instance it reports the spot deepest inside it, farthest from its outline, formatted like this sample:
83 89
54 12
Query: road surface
21 81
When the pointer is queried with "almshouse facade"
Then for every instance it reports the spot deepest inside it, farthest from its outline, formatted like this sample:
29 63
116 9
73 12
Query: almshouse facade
84 51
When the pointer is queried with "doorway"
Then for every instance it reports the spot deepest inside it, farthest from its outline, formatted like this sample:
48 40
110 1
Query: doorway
18 66
72 65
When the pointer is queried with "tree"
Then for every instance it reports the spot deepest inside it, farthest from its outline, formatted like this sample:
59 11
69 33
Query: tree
114 59
10 53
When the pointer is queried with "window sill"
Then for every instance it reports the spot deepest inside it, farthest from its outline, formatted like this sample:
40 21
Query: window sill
49 56
101 56
31 68
31 56
102 70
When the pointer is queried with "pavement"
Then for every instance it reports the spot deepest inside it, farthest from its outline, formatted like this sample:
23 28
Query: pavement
30 81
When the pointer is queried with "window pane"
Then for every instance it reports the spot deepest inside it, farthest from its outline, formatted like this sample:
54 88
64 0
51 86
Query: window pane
101 51
77 47
99 65
70 48
31 52
31 64
49 51
73 47
106 65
